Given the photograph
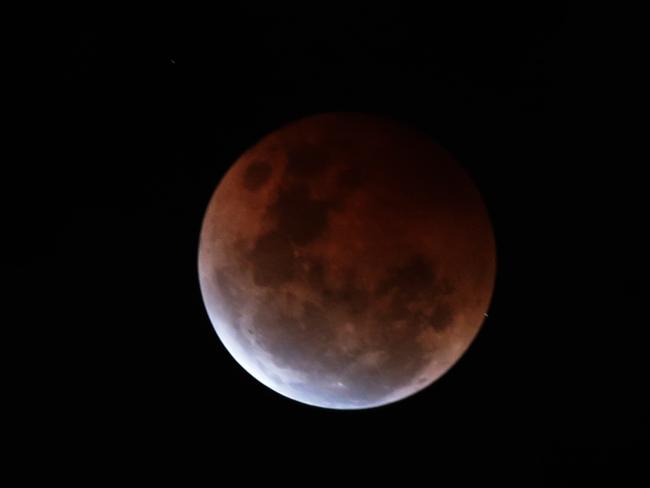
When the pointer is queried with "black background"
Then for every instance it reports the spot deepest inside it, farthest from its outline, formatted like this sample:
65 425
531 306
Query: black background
136 122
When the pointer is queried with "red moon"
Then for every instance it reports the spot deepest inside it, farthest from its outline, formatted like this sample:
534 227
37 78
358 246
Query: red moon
346 261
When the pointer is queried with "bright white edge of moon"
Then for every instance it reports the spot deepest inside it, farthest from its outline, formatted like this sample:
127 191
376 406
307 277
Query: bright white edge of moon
284 381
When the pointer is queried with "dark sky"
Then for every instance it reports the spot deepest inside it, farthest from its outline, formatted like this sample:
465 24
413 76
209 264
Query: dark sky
137 121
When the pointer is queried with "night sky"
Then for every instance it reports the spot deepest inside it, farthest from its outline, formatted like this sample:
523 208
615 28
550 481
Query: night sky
138 121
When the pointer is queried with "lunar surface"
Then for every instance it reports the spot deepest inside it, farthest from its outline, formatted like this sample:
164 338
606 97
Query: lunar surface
346 261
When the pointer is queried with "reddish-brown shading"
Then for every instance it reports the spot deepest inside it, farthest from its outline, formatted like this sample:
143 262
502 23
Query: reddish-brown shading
346 261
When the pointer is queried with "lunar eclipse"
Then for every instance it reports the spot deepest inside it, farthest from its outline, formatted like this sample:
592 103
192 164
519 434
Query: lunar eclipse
346 261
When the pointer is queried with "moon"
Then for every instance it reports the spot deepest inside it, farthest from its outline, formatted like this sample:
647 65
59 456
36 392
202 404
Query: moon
346 261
